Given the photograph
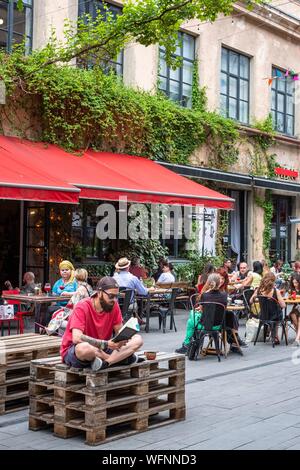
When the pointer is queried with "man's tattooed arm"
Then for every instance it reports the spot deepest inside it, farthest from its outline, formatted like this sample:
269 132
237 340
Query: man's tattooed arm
98 343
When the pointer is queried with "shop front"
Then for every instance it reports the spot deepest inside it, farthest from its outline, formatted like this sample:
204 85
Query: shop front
243 228
55 217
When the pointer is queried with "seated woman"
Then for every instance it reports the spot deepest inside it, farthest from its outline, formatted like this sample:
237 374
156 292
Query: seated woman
295 312
84 289
166 277
215 290
64 287
267 289
67 284
211 292
137 269
59 319
208 269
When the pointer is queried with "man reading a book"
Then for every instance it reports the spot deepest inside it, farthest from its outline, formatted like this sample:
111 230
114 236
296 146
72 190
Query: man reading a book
87 340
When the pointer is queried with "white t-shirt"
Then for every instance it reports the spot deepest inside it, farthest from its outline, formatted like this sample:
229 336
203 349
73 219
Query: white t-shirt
166 278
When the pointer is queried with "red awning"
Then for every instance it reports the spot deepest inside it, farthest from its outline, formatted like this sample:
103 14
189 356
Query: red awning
108 176
21 180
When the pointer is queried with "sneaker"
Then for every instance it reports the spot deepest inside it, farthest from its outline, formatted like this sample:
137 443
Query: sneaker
183 350
133 359
99 364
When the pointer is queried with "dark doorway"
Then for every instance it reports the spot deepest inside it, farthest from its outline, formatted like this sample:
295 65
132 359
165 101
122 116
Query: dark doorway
10 242
236 232
281 238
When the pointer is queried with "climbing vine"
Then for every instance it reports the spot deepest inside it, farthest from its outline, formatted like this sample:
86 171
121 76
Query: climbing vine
221 230
199 98
267 205
262 161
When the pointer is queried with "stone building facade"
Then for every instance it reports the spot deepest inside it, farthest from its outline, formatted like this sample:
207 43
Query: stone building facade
236 55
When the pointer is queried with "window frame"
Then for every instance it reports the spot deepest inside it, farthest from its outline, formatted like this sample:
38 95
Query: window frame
239 79
166 77
9 30
285 94
90 7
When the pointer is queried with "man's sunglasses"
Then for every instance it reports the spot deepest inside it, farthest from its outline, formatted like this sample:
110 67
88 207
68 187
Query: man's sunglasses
110 296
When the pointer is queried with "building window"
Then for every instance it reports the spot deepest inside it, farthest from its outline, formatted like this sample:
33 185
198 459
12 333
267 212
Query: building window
283 107
86 247
177 84
92 7
15 25
235 73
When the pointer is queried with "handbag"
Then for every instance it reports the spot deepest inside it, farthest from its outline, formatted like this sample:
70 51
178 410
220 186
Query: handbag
251 330
58 320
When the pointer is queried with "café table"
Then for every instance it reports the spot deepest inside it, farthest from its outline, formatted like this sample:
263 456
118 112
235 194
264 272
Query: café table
37 301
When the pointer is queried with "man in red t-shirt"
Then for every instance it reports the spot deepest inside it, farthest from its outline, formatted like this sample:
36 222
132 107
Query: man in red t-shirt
87 339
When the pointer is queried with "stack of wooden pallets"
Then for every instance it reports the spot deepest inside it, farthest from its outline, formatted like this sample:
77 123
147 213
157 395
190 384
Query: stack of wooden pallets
113 403
16 352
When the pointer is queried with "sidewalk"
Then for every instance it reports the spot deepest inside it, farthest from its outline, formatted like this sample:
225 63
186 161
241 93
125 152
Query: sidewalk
248 402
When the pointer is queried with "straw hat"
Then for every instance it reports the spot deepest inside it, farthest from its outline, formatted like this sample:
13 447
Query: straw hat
123 263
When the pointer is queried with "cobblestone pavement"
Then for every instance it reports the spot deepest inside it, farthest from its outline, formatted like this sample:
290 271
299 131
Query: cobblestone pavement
248 402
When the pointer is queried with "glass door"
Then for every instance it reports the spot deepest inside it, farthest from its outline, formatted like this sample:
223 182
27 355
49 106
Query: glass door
36 240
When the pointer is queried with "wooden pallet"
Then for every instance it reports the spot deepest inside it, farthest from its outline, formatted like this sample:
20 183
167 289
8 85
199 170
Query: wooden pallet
109 404
16 352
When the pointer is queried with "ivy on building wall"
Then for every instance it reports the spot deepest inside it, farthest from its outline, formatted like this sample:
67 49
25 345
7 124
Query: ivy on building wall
199 98
263 162
223 221
266 204
85 108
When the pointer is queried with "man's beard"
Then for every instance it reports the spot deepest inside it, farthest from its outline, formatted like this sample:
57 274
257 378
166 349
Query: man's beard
106 306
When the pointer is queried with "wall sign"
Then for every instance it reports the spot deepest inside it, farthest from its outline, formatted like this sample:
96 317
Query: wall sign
285 173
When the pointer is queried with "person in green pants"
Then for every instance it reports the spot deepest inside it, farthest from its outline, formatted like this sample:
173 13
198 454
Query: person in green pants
215 290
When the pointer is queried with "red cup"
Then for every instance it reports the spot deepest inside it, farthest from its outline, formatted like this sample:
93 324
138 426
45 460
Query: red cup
294 295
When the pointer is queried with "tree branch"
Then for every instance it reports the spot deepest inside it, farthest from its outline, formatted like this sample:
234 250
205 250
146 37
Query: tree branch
92 47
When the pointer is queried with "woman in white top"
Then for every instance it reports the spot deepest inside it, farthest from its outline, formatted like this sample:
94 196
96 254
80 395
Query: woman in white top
166 277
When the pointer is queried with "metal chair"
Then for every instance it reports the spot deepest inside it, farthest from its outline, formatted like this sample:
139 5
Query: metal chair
194 300
212 323
18 317
247 294
270 316
168 310
162 305
126 299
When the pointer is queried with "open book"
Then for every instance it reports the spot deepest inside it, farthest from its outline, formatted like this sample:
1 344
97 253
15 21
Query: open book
130 328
